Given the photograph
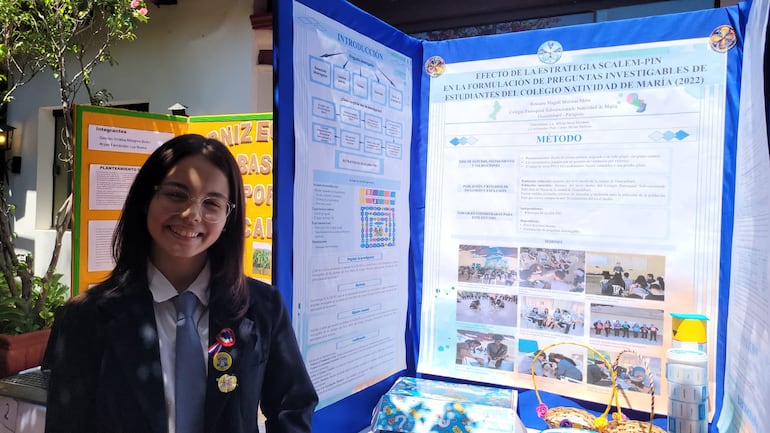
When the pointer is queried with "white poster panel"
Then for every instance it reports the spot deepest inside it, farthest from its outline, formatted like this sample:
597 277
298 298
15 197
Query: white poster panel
352 114
572 196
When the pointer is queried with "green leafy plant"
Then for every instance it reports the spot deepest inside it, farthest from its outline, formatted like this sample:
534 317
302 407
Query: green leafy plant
67 38
20 313
260 260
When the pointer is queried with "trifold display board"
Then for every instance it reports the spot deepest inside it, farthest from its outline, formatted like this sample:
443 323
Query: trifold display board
451 208
110 147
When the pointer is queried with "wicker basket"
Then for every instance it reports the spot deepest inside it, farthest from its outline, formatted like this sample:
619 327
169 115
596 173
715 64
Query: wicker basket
632 426
570 416
623 425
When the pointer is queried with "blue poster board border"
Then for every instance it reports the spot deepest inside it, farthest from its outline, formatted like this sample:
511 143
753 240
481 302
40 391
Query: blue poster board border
354 412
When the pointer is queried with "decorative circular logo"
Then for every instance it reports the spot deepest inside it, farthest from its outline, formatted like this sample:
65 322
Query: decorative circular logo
227 383
550 52
435 66
226 337
222 361
723 38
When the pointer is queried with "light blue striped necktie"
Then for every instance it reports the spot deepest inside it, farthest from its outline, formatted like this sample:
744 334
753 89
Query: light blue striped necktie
190 377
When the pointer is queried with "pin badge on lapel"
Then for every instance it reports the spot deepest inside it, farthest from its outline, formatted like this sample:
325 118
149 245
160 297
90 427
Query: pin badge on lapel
227 383
222 361
225 338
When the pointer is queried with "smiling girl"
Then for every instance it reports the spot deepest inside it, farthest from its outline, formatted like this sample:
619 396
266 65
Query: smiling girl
113 349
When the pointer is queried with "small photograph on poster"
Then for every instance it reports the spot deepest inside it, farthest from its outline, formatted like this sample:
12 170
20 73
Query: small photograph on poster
597 371
487 308
628 325
261 258
632 276
485 349
558 316
487 265
552 269
633 371
564 362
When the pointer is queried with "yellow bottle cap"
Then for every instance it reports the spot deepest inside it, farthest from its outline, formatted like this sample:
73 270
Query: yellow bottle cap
689 327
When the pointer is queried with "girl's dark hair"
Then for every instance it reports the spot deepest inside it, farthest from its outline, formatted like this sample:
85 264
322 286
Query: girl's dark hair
132 241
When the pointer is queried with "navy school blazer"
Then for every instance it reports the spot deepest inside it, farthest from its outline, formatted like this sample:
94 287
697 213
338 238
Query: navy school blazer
106 376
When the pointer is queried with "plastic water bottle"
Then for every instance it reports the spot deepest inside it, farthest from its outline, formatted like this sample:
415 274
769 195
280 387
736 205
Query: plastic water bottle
687 374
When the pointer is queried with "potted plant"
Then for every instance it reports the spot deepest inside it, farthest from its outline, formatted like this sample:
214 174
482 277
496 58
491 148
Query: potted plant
26 315
67 38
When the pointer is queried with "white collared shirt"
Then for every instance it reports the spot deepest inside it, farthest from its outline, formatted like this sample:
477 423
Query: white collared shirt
163 293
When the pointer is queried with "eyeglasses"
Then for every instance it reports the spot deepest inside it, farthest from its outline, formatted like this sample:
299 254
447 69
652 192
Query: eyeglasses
175 199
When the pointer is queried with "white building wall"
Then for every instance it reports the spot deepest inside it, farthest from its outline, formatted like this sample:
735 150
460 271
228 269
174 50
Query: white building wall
200 53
